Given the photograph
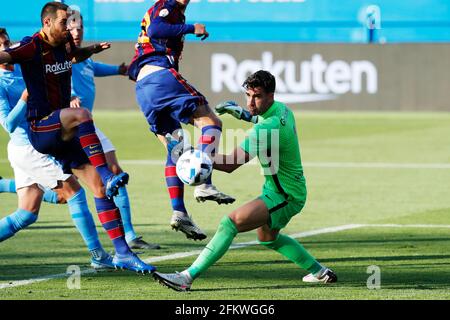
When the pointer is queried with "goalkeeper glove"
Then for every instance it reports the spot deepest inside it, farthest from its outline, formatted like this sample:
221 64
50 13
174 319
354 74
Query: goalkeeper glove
236 111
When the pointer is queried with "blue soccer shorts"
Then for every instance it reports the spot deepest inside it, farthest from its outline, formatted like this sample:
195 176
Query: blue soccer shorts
167 99
45 137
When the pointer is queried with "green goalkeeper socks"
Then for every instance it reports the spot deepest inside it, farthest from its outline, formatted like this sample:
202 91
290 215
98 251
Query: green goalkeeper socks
216 248
294 251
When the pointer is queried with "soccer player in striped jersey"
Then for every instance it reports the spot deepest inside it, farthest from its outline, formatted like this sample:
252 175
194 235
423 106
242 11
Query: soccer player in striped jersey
83 95
167 100
274 141
66 133
35 173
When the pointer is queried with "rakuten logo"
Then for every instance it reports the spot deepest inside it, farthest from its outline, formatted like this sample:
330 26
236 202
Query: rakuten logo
312 80
58 67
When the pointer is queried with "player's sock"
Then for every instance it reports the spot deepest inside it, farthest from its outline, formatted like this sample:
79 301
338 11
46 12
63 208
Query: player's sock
174 186
7 185
92 147
83 220
209 142
123 203
294 251
50 196
215 248
14 222
110 218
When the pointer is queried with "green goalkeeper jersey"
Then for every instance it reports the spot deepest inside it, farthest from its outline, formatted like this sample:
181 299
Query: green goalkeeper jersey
274 141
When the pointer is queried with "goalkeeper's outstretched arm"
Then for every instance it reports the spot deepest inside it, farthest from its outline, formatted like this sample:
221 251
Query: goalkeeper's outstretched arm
229 163
236 111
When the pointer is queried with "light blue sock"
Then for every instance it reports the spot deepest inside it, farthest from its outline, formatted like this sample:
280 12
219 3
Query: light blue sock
7 185
14 222
50 196
83 220
123 203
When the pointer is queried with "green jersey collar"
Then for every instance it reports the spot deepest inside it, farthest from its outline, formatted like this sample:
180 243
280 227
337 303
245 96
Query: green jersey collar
269 112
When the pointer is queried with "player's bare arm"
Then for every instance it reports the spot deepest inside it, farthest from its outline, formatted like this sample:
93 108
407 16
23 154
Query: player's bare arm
229 163
4 57
86 52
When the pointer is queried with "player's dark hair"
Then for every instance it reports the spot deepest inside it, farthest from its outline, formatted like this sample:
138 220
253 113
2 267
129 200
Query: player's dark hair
50 9
261 78
3 32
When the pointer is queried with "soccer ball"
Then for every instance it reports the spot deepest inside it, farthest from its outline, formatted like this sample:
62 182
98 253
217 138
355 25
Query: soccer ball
194 167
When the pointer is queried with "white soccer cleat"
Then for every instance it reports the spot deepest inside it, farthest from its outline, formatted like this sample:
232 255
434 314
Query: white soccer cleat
324 276
206 192
181 221
176 281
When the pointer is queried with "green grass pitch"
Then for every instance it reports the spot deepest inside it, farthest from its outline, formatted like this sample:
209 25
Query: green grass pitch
388 171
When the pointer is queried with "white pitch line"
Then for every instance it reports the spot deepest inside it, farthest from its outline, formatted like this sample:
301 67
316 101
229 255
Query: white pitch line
180 255
173 256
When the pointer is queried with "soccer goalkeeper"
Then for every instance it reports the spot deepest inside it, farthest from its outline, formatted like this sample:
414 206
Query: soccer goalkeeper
273 139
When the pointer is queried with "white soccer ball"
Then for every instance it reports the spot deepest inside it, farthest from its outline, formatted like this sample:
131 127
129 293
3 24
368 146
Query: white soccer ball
194 167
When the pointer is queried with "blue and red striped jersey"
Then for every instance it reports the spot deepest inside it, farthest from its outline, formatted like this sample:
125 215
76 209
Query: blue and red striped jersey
47 72
161 39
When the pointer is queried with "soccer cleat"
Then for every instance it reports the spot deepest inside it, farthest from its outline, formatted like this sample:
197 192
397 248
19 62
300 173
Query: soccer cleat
132 262
104 263
209 192
325 276
138 243
176 281
180 221
114 183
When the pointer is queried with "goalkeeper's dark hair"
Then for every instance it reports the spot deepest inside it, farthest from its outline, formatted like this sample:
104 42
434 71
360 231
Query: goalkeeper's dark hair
261 78
50 9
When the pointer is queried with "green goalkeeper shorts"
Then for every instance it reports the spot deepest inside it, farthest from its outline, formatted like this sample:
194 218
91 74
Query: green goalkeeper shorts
281 210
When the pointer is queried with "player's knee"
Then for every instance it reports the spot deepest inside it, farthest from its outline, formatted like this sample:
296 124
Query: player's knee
237 220
83 115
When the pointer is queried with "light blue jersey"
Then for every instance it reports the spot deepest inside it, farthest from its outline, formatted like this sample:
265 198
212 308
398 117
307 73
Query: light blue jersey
12 108
83 85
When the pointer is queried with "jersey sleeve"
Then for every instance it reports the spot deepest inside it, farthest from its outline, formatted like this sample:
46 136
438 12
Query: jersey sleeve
71 48
104 70
259 139
22 51
160 27
11 118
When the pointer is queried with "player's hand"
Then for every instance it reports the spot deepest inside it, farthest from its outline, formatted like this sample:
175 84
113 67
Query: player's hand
200 31
123 69
24 96
75 102
236 111
99 47
230 107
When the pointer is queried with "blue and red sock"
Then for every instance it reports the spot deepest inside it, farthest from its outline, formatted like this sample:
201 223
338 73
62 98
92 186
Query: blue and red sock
209 142
92 147
110 218
174 186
